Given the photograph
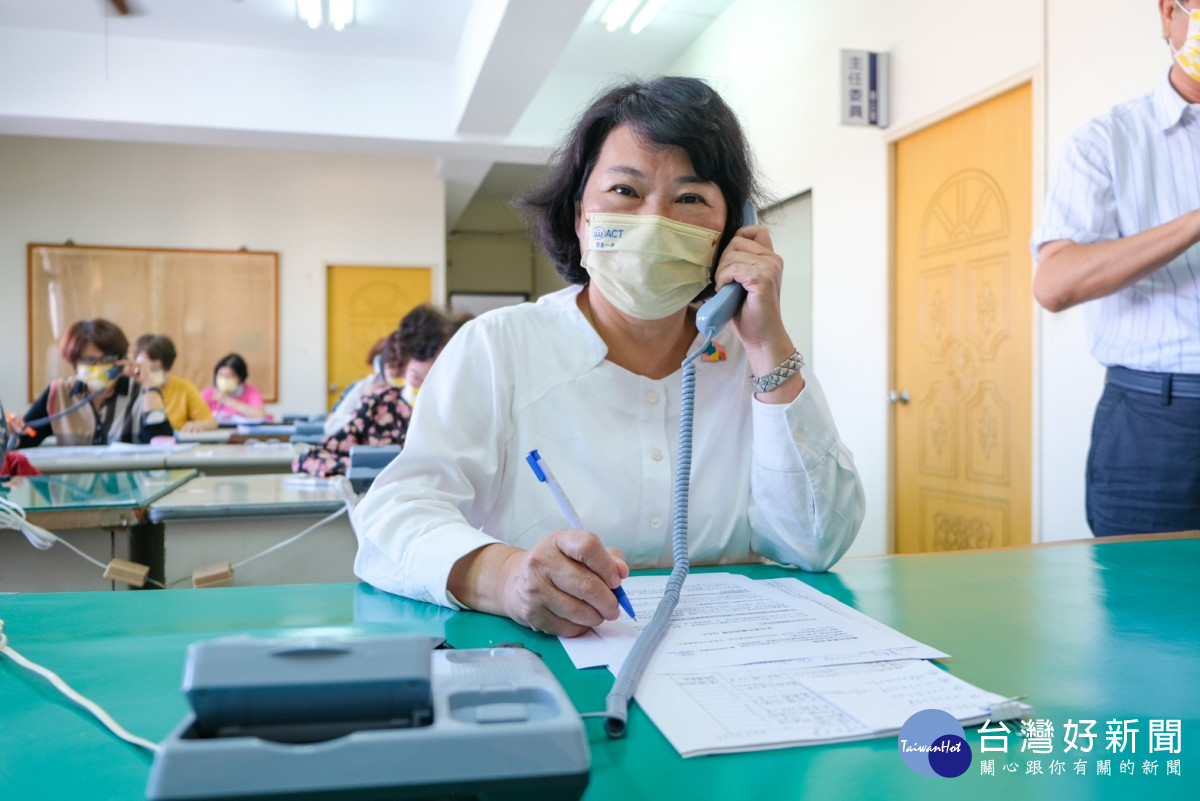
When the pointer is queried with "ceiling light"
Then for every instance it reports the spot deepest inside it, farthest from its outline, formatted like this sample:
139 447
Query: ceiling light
618 13
341 13
647 15
311 12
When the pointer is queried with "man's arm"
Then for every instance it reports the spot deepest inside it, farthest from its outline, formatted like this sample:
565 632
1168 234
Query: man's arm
1069 273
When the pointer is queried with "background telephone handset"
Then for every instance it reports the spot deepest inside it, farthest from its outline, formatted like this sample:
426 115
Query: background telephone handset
719 309
377 363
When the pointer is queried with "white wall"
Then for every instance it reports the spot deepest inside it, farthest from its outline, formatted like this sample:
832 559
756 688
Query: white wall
314 209
776 62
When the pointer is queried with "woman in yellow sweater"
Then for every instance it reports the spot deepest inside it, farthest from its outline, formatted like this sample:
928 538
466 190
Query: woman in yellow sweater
186 409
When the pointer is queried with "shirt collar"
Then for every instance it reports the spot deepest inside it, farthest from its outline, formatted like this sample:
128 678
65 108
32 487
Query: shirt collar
1170 109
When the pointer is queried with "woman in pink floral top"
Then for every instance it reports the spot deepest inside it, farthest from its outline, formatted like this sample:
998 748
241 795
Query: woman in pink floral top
382 417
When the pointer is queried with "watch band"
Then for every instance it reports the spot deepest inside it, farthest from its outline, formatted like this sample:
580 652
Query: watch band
791 365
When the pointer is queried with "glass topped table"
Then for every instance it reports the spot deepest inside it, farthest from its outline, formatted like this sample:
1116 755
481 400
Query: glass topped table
102 514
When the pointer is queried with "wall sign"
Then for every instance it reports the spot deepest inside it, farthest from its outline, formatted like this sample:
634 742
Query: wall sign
864 88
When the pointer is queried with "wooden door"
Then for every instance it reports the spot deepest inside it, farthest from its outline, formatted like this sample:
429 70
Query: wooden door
961 409
364 304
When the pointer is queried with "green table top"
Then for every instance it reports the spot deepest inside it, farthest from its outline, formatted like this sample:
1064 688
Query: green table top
1088 631
89 491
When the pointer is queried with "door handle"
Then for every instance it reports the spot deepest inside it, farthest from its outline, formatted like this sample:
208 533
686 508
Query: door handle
334 387
902 397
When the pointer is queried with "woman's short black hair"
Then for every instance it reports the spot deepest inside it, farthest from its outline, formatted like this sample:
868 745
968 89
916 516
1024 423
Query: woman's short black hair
108 338
422 334
157 347
234 362
668 112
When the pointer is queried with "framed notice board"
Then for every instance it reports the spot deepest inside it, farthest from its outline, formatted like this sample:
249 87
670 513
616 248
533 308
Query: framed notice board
209 302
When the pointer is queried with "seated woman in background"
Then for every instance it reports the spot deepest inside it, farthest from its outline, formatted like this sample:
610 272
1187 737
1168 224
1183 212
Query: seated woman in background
101 403
231 396
343 410
186 409
382 417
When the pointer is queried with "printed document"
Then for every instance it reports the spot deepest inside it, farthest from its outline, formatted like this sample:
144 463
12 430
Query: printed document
749 665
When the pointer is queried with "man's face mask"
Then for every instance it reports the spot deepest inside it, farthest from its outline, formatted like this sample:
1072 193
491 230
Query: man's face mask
95 376
1188 56
648 267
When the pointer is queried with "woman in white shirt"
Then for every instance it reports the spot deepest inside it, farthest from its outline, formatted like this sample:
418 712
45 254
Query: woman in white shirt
642 214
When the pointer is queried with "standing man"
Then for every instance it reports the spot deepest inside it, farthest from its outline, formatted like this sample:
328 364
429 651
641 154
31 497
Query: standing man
1120 232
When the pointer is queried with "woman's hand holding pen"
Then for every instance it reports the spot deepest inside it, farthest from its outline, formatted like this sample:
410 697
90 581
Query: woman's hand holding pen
563 585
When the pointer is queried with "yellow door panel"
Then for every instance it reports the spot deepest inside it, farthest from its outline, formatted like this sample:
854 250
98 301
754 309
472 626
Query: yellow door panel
961 418
365 304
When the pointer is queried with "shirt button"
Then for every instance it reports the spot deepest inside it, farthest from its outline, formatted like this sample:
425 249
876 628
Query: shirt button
652 397
656 455
655 521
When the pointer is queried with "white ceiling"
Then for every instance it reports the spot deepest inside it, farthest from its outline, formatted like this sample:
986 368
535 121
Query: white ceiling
472 83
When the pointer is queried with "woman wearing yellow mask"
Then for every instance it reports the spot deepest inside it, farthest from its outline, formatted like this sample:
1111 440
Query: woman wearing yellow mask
231 396
102 402
642 212
154 356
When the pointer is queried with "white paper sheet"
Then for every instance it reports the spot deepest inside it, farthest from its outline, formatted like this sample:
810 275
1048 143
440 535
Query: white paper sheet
749 665
725 619
779 705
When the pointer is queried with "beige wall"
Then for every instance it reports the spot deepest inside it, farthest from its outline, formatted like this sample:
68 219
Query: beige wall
490 251
314 209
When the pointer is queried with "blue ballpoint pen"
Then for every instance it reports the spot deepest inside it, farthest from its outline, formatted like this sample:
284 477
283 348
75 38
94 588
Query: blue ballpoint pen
542 471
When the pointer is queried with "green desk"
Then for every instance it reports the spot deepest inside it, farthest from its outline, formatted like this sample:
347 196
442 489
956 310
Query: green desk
1088 631
103 514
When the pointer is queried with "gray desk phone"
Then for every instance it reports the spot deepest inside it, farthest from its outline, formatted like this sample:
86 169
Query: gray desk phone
370 718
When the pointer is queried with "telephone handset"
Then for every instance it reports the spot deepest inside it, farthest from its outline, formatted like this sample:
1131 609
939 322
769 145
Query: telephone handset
377 363
719 309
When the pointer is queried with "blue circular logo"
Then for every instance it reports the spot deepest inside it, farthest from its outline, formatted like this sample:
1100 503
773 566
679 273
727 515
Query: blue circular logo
933 743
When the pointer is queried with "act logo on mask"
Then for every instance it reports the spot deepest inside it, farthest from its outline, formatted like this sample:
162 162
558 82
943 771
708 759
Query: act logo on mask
606 238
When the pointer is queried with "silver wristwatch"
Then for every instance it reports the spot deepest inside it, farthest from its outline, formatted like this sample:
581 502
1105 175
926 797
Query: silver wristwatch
791 365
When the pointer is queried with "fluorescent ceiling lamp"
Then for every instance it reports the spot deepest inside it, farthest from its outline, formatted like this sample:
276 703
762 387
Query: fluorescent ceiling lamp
341 13
618 13
310 11
647 15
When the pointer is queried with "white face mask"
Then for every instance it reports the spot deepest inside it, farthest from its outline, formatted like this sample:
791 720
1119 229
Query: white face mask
1188 56
649 267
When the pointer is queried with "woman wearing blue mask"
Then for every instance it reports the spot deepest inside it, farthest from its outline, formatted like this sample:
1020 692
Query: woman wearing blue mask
101 403
642 214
